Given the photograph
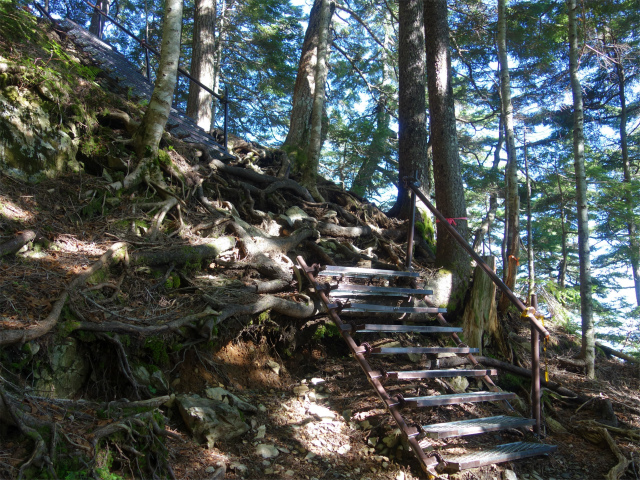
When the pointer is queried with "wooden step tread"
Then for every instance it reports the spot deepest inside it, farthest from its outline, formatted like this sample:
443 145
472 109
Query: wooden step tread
408 374
419 350
369 328
337 271
457 398
370 307
345 290
475 425
497 454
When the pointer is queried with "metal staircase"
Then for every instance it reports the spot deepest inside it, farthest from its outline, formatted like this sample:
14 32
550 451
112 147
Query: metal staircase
347 300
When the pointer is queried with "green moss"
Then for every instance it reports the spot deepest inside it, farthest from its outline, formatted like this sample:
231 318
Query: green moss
157 350
326 330
426 229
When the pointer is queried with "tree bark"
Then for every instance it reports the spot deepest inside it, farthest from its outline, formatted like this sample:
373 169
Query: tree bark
530 262
412 121
634 242
586 303
510 260
147 137
449 191
480 317
305 93
202 63
97 20
310 169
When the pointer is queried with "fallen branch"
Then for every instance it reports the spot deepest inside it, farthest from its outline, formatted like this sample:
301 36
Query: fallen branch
610 351
16 243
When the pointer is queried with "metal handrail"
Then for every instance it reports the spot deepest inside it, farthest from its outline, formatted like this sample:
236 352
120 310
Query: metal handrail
537 328
148 48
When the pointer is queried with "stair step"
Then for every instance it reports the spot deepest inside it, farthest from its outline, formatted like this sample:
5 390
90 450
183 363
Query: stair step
369 328
368 307
409 374
457 398
498 454
419 350
475 425
355 272
344 290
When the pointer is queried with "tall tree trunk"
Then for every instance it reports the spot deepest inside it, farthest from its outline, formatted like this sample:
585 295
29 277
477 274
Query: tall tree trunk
483 229
202 63
310 169
586 301
449 191
562 268
97 20
530 262
147 137
634 242
364 178
412 116
306 94
512 200
217 65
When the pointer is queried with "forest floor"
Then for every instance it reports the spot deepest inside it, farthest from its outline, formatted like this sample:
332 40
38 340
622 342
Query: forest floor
191 276
338 444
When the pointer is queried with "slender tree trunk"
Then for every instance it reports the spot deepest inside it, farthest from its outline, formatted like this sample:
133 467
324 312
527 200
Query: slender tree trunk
530 262
147 138
202 63
586 302
634 242
483 229
562 268
307 83
97 20
412 116
310 169
449 191
512 200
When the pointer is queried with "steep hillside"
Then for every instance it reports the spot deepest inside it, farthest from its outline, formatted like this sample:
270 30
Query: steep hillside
127 313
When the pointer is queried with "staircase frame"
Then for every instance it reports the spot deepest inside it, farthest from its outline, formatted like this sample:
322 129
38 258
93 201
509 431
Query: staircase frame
530 313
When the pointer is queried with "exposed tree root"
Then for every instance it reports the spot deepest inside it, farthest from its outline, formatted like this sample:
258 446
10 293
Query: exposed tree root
20 240
8 337
596 433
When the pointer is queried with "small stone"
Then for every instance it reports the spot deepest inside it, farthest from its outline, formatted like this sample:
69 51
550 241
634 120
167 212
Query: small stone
312 396
347 415
262 430
267 451
284 449
300 390
275 366
310 456
317 381
262 408
321 412
509 475
210 469
268 471
239 467
373 441
385 464
289 473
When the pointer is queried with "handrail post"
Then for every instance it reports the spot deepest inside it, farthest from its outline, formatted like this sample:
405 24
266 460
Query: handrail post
226 115
535 372
412 225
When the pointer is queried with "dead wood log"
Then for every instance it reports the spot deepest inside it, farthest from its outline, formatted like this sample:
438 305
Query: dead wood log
187 254
16 243
8 337
611 352
263 179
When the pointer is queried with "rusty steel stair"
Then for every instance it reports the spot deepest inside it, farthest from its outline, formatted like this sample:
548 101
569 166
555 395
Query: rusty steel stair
360 301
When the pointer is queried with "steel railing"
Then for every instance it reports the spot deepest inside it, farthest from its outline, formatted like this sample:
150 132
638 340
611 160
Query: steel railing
529 313
148 48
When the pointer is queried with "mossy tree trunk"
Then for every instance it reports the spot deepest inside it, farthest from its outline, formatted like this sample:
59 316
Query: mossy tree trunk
305 136
147 137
